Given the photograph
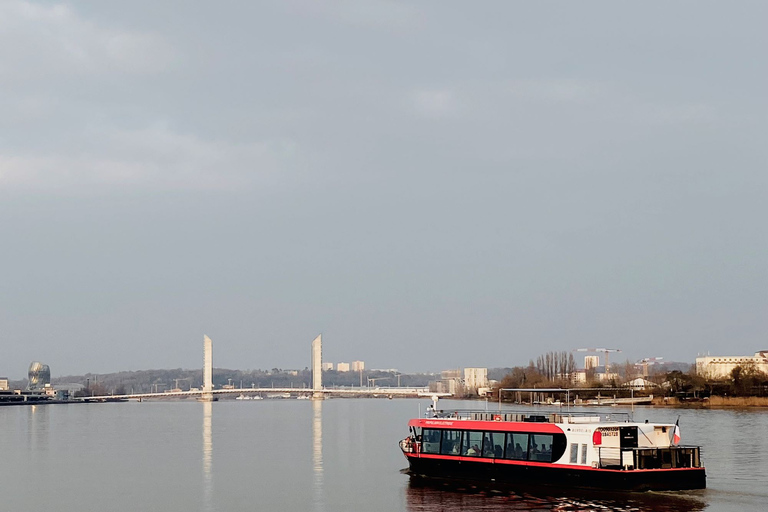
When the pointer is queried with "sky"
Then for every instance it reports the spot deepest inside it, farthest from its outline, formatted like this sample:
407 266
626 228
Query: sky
429 185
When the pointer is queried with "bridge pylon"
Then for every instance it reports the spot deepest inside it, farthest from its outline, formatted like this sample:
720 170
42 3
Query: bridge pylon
317 367
207 395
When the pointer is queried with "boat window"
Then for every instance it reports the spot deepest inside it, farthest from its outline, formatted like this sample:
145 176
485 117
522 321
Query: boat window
430 441
517 446
583 454
493 445
574 453
473 440
666 459
451 442
540 447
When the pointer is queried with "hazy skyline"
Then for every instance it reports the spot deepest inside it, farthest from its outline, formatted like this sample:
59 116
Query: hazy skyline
430 185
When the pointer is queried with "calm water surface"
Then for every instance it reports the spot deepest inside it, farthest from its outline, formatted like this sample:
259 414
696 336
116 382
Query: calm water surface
301 455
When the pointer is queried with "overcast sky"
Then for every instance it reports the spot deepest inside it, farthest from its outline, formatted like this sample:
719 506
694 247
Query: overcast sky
429 184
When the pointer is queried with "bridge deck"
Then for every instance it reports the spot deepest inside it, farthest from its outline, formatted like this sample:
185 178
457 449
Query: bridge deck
394 392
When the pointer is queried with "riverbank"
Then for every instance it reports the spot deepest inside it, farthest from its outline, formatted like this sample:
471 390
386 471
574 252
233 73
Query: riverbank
724 402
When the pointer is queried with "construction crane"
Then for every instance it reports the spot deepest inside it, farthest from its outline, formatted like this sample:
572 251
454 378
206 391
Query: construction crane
647 361
176 381
372 382
606 351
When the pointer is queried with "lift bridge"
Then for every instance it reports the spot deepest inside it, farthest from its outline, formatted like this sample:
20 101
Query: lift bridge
317 391
374 392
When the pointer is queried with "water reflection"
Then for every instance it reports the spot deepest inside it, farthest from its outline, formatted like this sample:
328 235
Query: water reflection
317 454
207 456
38 420
424 495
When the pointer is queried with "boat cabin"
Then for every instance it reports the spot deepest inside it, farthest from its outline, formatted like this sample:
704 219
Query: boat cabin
591 440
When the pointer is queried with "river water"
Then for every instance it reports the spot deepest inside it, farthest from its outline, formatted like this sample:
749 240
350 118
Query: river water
302 455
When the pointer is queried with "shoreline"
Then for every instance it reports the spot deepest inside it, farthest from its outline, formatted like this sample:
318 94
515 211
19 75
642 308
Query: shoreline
714 402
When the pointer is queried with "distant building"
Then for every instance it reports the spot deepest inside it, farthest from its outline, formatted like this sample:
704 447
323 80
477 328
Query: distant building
598 375
61 394
640 383
3 383
721 366
475 378
452 386
450 374
70 387
591 362
39 375
450 382
342 367
327 367
358 366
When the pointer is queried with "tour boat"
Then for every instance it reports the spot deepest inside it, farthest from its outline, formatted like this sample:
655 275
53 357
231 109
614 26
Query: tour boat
586 450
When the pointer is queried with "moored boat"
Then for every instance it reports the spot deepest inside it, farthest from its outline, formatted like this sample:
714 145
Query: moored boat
585 450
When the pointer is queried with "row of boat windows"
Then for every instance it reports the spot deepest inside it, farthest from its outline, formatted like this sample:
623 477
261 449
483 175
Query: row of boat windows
494 445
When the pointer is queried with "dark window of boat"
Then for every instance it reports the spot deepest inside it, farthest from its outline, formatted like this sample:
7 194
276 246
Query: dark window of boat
574 453
473 440
628 437
430 441
493 445
451 442
540 448
517 446
583 454
666 459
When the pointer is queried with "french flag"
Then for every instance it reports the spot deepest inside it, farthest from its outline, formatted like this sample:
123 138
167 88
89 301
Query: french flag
676 435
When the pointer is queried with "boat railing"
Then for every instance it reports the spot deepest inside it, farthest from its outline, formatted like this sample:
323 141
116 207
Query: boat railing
532 416
649 457
410 445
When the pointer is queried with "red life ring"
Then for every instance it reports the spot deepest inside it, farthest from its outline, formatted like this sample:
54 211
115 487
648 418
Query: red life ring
497 417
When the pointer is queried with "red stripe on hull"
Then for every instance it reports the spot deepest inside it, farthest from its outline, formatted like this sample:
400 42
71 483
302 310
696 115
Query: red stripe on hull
558 475
539 464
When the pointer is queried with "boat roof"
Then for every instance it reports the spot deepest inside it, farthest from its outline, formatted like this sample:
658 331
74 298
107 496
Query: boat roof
535 421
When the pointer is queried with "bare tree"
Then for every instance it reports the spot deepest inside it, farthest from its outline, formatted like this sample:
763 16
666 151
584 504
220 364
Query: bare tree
555 365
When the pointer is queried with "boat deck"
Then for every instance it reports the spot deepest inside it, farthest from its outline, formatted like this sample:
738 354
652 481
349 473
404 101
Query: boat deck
533 416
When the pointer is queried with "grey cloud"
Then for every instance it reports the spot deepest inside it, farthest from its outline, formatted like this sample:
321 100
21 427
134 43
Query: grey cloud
465 185
39 43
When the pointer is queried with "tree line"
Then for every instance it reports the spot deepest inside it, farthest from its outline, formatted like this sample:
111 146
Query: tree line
557 369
